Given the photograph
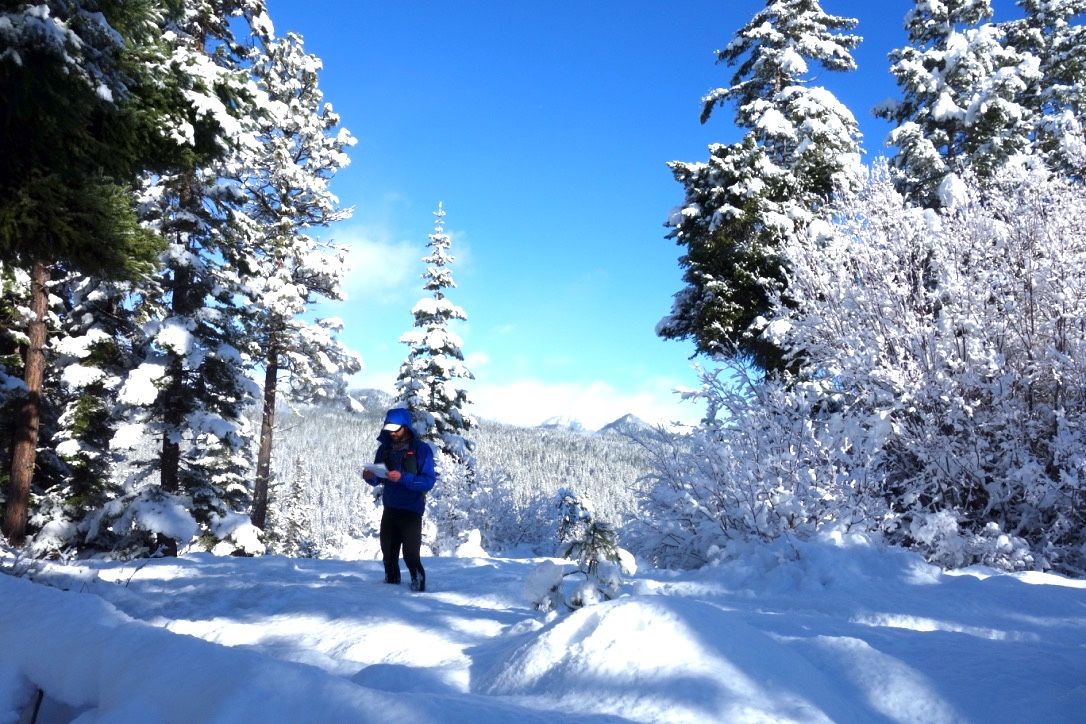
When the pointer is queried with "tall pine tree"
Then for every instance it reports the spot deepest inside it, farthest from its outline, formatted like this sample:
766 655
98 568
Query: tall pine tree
1054 94
742 205
81 118
191 389
427 383
960 111
301 149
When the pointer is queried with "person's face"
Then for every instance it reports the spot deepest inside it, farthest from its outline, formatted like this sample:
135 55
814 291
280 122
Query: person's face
398 435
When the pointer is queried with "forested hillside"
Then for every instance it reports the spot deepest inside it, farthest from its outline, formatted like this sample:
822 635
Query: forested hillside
320 448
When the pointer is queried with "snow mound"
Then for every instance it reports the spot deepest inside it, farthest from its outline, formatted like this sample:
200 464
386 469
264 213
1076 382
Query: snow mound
657 658
124 670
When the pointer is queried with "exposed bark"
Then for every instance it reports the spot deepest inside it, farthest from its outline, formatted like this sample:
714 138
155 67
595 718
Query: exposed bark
267 427
28 418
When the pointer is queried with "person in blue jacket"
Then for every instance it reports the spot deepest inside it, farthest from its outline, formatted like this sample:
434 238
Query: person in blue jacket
410 476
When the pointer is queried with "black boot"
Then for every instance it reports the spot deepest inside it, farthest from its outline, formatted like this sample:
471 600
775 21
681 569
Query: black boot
392 570
418 581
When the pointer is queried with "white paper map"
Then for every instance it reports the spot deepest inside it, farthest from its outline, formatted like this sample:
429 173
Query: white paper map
377 469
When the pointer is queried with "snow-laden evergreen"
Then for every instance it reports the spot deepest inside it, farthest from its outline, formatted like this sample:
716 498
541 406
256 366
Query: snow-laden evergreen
745 203
1055 95
81 122
961 109
191 388
90 359
287 184
429 380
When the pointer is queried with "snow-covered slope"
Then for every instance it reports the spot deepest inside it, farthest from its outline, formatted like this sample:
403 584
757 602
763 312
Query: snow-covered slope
836 631
562 422
625 425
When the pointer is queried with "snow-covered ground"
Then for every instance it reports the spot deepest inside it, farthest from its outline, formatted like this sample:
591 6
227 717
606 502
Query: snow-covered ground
833 631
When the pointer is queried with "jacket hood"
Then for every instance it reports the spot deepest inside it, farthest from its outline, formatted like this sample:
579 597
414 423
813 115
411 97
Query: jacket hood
396 416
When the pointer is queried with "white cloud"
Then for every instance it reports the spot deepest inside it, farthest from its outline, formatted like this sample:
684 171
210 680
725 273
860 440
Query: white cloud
460 250
368 379
379 268
593 404
477 360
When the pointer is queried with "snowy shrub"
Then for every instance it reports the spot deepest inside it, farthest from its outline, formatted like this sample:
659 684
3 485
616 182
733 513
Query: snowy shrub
559 588
965 330
509 518
472 546
236 535
544 583
134 521
947 544
593 544
451 504
939 392
771 459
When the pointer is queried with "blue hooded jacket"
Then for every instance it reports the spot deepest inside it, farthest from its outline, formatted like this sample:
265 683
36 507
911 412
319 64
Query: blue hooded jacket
410 492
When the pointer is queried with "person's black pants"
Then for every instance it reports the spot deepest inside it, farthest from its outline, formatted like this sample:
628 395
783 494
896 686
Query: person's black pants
401 527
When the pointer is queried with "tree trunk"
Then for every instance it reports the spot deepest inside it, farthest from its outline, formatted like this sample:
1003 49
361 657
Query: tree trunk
267 424
28 418
173 415
174 404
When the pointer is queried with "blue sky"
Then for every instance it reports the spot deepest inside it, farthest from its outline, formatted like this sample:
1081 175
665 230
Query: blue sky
545 131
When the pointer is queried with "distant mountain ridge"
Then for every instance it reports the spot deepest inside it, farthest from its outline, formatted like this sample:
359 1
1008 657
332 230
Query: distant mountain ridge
374 401
626 425
562 422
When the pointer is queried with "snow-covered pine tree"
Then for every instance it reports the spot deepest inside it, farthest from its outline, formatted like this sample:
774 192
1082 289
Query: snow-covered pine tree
1055 92
91 357
191 389
428 380
290 516
742 205
69 70
960 111
288 195
593 544
582 536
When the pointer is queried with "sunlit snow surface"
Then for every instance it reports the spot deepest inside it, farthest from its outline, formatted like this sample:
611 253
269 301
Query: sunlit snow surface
794 632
